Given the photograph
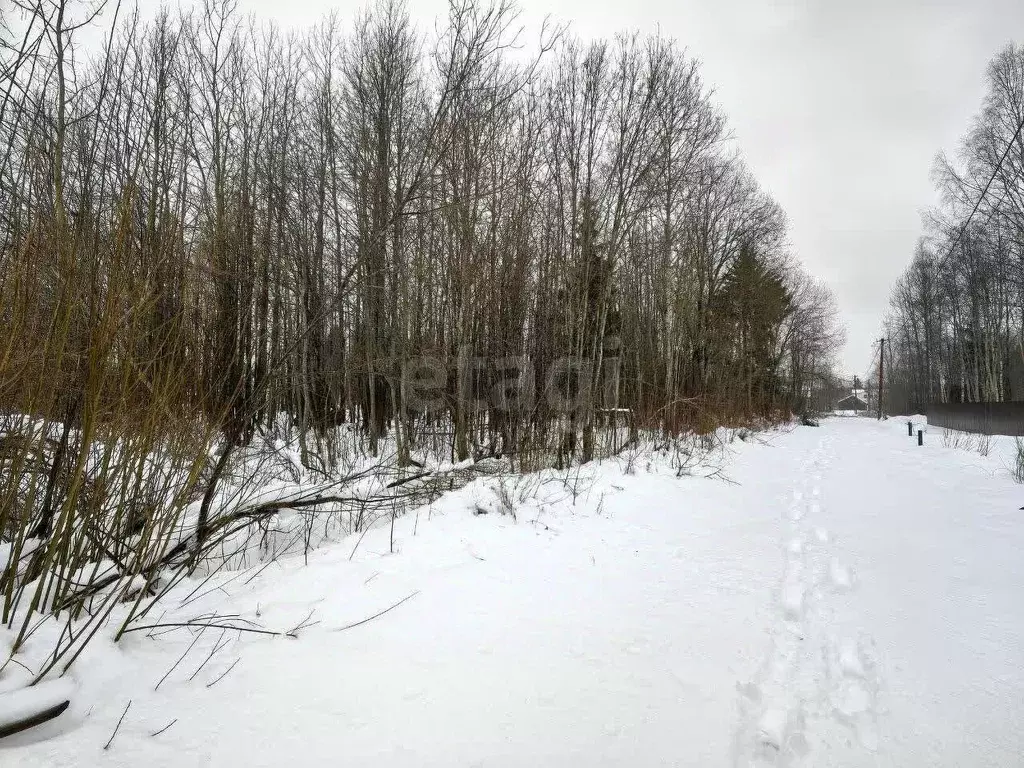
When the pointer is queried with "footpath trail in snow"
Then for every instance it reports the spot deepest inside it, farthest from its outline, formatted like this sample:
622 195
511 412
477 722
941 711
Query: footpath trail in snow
850 599
922 601
899 631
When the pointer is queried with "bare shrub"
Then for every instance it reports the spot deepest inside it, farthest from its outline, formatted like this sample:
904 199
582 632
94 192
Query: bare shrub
1018 467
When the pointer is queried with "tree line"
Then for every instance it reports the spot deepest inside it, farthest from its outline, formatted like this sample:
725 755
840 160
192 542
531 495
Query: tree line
211 223
956 320
218 238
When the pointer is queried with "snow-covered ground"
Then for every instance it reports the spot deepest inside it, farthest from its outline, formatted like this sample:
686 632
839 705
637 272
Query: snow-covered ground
837 596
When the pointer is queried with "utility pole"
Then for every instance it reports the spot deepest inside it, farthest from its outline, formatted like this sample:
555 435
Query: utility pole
881 375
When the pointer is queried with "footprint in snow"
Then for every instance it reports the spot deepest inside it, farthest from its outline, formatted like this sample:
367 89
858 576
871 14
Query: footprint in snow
750 691
779 738
852 701
840 576
853 706
793 600
850 663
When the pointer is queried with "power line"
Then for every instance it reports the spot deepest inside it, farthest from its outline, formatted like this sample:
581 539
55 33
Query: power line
963 228
981 197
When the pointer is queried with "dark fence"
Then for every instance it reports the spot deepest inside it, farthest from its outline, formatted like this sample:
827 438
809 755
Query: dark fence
981 418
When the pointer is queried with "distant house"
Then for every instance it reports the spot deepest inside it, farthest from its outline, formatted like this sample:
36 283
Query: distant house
851 403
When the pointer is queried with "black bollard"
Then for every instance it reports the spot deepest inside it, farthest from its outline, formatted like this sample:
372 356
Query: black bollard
910 429
920 437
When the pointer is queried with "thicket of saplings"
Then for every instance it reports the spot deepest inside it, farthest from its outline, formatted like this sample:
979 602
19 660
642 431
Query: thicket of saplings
247 275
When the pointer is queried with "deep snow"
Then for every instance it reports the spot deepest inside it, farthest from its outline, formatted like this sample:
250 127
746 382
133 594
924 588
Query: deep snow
845 598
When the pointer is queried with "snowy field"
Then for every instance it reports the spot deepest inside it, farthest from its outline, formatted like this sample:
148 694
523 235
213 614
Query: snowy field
833 597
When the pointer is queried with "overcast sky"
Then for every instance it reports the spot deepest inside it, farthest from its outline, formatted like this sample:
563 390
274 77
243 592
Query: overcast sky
839 107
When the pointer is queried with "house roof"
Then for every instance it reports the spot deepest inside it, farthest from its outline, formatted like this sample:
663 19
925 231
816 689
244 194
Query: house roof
852 400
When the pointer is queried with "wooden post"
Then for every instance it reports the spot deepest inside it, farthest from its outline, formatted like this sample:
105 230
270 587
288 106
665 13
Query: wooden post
920 437
881 376
910 429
